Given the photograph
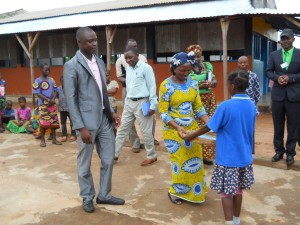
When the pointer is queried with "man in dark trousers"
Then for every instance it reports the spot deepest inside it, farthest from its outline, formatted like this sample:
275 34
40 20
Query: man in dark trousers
284 69
85 90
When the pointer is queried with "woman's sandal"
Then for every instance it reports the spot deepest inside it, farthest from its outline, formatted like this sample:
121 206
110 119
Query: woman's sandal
176 201
56 142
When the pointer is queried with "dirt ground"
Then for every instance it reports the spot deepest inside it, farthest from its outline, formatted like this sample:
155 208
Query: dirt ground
39 186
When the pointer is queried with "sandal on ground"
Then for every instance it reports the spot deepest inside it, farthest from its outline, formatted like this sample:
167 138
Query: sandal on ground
63 139
73 138
176 201
43 144
56 142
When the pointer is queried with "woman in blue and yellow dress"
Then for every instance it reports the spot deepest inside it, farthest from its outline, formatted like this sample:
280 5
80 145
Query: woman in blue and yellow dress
179 102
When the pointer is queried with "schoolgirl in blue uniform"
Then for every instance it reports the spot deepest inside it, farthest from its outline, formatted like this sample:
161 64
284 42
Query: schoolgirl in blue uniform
234 123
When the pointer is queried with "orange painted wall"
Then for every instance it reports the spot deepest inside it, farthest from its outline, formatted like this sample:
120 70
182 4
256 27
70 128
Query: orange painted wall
18 79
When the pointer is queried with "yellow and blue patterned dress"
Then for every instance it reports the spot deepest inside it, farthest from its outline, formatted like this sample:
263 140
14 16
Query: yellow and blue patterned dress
180 103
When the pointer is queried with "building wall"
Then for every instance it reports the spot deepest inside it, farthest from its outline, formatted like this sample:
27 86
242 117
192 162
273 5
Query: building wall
265 29
55 47
18 79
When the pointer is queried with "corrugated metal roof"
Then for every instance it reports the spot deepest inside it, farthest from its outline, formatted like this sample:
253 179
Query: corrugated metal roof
96 7
183 11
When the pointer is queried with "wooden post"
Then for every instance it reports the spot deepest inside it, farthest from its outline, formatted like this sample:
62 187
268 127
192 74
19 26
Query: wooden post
292 20
30 40
110 33
29 53
224 26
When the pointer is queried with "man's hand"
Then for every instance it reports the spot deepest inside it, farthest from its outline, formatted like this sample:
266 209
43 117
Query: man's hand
117 120
86 136
151 112
283 80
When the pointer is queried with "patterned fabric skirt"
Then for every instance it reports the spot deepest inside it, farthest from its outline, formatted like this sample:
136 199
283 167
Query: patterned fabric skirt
48 116
14 128
188 173
209 102
227 180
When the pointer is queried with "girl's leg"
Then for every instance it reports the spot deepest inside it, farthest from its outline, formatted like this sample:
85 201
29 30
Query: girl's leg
227 203
237 205
42 133
29 129
54 140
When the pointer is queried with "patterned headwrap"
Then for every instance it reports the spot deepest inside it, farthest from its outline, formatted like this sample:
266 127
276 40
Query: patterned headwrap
181 58
196 49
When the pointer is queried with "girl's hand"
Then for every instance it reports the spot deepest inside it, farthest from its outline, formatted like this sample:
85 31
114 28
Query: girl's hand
51 102
189 136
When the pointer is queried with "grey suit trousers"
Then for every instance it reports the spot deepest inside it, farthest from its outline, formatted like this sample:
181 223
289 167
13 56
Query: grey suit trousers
104 140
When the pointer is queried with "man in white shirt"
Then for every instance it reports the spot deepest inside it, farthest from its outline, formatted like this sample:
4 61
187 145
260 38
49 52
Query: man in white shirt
121 66
141 88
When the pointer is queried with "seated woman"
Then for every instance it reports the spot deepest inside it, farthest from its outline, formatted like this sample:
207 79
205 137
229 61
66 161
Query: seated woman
23 118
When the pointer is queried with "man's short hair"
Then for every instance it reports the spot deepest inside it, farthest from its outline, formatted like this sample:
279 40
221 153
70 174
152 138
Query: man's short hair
129 40
81 30
131 49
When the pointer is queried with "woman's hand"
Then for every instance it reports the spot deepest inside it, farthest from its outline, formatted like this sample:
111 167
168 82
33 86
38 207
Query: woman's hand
204 84
181 131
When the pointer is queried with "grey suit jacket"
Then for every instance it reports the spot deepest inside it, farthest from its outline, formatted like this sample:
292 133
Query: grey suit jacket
83 94
274 70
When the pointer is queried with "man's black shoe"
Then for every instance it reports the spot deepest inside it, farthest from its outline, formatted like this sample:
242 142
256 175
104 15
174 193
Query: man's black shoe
112 201
277 157
290 160
88 206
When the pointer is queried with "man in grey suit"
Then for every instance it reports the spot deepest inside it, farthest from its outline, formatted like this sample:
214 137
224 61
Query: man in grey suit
91 113
284 69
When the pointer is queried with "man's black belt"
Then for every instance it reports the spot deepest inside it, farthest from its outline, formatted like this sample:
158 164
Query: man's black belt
136 99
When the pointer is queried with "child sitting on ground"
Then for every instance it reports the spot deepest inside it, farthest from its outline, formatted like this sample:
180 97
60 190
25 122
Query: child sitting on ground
33 126
7 114
23 118
64 114
234 123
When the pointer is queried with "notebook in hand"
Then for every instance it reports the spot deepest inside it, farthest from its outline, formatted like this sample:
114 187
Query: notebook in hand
145 108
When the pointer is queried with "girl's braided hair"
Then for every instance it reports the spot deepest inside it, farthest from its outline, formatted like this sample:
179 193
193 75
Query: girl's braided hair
240 80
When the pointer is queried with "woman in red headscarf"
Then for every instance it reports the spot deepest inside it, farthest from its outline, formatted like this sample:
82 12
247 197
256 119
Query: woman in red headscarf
203 73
